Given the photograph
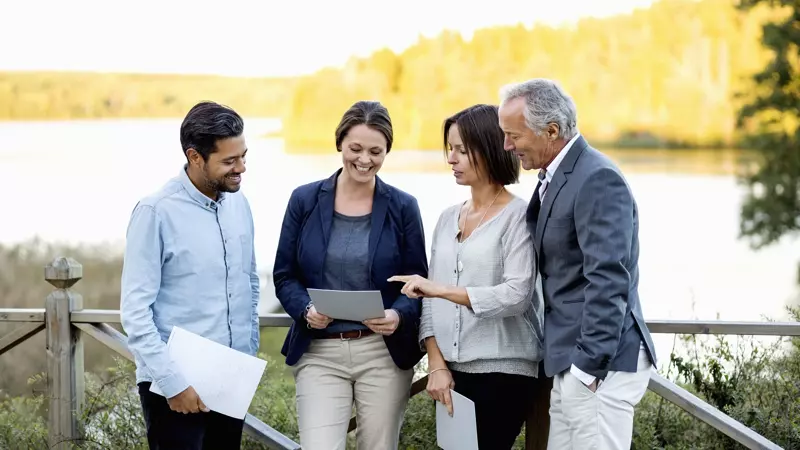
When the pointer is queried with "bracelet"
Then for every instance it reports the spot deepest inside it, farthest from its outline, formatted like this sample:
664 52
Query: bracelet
436 370
305 316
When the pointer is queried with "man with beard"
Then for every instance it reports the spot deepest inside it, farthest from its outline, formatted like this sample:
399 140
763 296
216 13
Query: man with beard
189 262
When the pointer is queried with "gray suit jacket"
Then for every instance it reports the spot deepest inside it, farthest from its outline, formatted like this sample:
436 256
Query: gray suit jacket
586 239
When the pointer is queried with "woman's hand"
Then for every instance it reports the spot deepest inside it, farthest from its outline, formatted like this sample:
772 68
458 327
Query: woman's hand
417 286
316 320
440 381
385 326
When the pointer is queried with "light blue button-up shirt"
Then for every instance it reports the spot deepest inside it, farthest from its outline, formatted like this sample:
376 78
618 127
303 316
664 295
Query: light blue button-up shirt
189 262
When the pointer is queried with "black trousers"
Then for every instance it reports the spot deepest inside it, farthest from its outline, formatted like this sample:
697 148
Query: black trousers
170 430
499 413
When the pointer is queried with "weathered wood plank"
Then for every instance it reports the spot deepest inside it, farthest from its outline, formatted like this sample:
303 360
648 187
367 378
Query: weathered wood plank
96 316
107 335
283 320
267 435
724 327
65 383
537 424
19 335
22 315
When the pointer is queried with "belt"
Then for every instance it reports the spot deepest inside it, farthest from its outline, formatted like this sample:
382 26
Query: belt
347 335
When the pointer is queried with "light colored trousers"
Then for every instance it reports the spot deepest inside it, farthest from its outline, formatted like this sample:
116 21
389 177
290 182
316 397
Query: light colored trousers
602 420
331 375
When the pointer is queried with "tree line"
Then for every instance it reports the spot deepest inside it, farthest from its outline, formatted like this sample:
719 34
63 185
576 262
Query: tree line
668 75
82 95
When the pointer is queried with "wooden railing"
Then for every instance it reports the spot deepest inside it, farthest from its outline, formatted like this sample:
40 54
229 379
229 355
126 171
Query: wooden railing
66 322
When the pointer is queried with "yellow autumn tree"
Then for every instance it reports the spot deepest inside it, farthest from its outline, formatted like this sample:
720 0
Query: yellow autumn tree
666 75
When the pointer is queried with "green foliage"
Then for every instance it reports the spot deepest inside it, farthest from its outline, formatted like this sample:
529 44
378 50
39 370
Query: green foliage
22 425
772 204
754 383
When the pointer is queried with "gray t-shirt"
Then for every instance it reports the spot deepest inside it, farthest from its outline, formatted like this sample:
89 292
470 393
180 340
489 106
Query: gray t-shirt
347 262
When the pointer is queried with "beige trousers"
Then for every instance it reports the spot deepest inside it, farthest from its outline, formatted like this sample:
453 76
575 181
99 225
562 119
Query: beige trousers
333 375
602 420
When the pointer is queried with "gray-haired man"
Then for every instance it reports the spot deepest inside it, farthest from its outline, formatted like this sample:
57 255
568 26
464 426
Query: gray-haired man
584 223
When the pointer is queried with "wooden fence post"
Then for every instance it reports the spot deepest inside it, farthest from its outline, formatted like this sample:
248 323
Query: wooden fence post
537 425
64 353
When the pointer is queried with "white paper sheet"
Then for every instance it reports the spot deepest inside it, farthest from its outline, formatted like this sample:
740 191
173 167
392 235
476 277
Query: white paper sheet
225 379
348 305
459 432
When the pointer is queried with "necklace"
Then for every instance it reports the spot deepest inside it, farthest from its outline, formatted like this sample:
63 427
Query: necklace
462 244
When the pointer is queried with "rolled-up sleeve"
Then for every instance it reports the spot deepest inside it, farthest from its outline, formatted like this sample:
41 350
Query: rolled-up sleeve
426 328
512 296
426 322
141 279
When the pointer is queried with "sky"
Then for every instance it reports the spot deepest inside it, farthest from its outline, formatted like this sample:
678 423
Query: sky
249 37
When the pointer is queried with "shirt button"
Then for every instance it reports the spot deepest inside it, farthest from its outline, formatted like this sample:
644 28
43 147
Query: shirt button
230 295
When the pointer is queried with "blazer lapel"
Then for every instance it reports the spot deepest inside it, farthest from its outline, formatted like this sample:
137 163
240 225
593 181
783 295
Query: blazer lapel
559 180
380 205
325 201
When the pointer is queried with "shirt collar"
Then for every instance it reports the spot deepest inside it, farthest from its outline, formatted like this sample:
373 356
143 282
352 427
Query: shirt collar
553 166
195 193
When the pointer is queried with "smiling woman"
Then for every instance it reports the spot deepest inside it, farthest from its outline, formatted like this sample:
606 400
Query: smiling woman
364 137
351 232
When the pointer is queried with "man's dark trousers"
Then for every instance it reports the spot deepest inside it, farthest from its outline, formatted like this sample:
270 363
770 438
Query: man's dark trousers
170 430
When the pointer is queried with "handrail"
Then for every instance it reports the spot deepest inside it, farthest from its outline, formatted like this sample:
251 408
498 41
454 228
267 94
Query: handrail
19 335
95 323
657 326
720 327
21 314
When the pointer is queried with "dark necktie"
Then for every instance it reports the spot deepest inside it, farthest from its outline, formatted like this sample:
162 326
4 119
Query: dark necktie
536 201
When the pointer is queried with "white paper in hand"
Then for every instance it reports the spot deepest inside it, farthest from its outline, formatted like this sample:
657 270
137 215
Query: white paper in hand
459 432
225 379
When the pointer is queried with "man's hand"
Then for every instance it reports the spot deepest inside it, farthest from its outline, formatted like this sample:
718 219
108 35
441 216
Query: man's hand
317 320
385 326
440 381
187 402
416 286
593 387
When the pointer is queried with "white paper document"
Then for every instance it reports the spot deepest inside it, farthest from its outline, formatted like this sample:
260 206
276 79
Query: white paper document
348 305
225 379
459 432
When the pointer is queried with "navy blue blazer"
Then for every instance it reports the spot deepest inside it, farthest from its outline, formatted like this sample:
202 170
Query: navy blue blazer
396 247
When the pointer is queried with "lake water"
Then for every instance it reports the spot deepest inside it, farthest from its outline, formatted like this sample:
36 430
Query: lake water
77 181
